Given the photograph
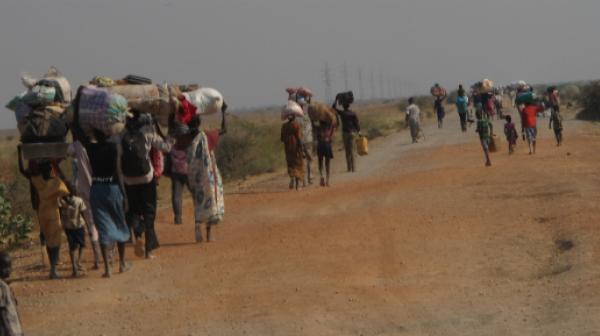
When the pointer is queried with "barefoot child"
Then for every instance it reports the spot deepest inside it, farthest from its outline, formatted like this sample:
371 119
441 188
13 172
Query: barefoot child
556 125
529 116
71 210
511 134
485 130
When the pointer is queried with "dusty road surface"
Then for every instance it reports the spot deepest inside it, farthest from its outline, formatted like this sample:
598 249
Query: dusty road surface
423 240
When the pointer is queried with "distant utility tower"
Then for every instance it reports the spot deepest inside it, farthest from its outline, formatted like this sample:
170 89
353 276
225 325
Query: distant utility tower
373 94
327 81
360 85
381 86
345 74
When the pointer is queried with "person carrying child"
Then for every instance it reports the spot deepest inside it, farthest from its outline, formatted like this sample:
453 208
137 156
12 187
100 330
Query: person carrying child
485 130
71 211
511 134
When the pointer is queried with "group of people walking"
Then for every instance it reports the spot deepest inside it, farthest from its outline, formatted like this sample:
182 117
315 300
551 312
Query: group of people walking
298 135
112 193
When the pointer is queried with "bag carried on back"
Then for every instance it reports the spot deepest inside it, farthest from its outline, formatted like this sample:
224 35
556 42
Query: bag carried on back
134 159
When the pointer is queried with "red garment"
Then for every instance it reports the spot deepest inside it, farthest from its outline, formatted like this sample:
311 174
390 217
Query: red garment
157 160
529 115
187 111
213 139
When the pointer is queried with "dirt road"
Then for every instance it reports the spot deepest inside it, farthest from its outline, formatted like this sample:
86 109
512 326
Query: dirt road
423 240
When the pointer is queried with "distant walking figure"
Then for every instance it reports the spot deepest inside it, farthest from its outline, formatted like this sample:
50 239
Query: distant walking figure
413 119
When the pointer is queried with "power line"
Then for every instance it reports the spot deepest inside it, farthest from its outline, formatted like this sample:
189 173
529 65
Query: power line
360 85
327 81
345 74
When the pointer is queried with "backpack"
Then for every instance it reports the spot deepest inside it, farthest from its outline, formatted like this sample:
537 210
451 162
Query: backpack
134 160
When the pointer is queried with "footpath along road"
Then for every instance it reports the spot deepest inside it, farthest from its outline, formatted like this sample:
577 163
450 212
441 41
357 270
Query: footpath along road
422 240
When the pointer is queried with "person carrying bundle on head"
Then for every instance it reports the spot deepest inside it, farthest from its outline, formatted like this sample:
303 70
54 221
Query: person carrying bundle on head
350 126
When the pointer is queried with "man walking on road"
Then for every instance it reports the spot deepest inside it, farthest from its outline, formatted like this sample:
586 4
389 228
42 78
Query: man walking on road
350 128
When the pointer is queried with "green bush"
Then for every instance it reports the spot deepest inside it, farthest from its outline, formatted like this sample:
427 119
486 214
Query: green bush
589 99
250 147
13 228
570 93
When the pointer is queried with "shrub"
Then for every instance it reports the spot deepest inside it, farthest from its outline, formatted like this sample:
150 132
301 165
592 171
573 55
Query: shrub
570 93
589 99
13 228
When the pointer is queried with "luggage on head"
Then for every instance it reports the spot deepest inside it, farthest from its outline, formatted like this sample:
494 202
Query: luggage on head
52 150
345 98
44 125
438 91
362 145
318 111
206 100
154 99
137 80
527 97
98 108
291 109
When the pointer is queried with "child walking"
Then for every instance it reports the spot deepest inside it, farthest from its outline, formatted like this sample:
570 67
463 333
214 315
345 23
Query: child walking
71 211
556 125
511 134
485 130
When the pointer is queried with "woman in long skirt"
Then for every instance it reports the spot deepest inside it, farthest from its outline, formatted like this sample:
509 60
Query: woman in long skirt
204 177
291 135
106 198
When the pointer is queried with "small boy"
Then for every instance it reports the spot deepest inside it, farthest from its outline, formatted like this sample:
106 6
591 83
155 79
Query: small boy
556 124
325 131
511 134
529 117
9 318
71 210
485 130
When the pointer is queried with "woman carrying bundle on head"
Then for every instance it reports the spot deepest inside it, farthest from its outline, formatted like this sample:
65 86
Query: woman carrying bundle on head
291 136
204 176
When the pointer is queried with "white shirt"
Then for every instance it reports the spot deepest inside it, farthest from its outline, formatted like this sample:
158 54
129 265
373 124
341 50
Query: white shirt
413 112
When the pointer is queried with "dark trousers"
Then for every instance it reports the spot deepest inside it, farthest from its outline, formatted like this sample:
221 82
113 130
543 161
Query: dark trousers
349 139
178 182
463 121
142 212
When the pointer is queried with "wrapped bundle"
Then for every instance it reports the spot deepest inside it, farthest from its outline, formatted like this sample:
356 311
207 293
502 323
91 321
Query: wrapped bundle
154 99
438 91
291 109
44 125
206 100
527 97
98 108
321 112
487 85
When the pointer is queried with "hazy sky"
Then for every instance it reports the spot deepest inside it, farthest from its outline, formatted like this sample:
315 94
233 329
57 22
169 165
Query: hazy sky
252 50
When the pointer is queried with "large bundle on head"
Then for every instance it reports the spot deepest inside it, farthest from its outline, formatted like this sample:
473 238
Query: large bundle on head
100 109
158 100
291 109
206 100
52 89
321 112
438 91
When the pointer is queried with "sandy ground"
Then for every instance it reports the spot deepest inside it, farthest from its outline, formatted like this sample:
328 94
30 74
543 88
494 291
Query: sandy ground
422 240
